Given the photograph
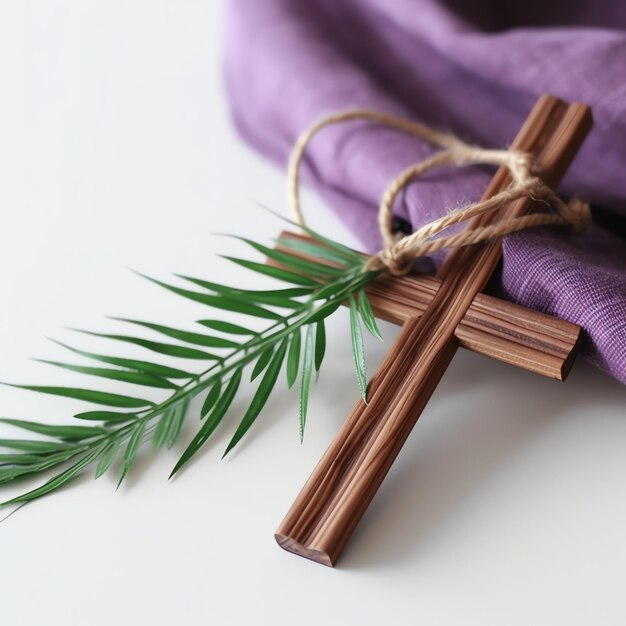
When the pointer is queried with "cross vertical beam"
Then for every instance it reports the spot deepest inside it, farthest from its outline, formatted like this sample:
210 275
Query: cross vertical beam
322 518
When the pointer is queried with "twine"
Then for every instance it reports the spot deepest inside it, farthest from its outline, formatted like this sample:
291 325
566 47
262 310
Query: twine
398 254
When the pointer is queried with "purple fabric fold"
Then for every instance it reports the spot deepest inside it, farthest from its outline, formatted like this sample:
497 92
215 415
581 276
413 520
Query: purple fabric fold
475 68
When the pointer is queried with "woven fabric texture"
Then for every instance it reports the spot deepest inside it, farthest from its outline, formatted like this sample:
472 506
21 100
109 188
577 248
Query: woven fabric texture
471 67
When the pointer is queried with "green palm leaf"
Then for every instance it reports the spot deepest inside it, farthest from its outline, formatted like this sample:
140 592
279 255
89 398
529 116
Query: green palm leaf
227 327
293 359
351 256
212 421
185 336
169 349
38 447
158 438
69 433
132 447
58 481
307 367
89 395
313 249
281 298
255 295
320 344
105 416
260 397
108 456
367 315
357 349
119 424
175 424
305 266
220 302
273 272
262 362
8 474
154 369
20 459
211 398
134 378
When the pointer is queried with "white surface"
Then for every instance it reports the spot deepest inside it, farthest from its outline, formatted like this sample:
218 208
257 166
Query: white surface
506 506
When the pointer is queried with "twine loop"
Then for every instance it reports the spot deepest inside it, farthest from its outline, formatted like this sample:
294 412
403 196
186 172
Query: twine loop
398 254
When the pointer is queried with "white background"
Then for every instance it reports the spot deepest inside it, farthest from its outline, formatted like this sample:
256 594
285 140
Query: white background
506 506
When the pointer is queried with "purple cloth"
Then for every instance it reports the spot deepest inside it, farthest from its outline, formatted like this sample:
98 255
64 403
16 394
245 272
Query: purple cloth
475 68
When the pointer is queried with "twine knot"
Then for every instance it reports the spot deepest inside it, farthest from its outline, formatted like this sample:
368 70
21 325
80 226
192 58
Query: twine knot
396 263
398 254
579 214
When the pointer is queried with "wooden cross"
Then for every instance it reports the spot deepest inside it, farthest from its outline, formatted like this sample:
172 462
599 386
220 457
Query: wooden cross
438 315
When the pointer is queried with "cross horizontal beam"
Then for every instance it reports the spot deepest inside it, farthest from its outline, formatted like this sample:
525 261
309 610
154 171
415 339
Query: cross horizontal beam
502 330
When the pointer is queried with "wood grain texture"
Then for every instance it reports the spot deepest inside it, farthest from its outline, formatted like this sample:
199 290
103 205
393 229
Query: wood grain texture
325 513
505 331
